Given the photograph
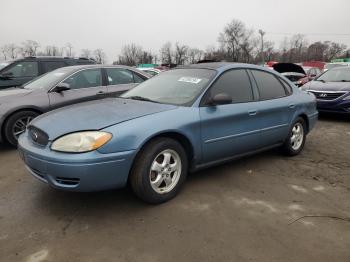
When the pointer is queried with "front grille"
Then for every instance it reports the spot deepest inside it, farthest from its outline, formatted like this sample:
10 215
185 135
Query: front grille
38 136
327 95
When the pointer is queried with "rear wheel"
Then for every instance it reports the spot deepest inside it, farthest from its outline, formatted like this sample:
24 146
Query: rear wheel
159 171
16 125
296 138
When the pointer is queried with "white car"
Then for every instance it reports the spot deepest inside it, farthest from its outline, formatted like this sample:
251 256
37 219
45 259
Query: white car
150 70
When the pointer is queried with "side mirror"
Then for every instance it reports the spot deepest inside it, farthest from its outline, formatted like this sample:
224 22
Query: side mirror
7 75
220 99
61 87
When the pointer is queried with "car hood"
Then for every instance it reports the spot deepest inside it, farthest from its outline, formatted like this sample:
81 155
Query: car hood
95 115
328 86
9 93
288 67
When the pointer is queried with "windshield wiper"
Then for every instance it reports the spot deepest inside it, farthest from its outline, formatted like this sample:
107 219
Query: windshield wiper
321 80
344 80
141 98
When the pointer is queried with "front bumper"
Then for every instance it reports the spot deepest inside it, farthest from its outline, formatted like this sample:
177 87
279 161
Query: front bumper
335 106
86 172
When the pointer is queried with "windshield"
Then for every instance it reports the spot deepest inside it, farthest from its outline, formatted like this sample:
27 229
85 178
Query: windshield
340 74
330 66
177 86
48 80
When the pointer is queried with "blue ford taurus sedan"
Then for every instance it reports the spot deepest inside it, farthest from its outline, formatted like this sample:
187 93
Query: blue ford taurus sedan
182 120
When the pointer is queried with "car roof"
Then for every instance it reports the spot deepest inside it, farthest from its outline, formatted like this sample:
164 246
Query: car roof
222 66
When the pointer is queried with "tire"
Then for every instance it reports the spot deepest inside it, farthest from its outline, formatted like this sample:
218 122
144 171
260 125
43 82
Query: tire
152 177
293 146
16 124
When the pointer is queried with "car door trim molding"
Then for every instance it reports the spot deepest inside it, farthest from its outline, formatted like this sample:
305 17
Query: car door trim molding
243 134
231 136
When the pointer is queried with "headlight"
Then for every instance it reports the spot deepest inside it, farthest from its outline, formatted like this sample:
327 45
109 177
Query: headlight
347 97
81 141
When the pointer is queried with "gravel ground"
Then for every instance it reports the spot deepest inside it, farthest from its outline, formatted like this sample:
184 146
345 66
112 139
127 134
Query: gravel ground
262 208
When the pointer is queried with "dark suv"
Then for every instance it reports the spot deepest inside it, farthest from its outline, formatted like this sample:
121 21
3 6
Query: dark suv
23 70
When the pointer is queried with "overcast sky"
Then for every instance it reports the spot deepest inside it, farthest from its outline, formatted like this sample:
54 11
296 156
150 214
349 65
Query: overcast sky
110 24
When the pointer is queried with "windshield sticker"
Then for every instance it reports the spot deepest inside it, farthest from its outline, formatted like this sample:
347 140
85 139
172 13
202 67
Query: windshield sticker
191 80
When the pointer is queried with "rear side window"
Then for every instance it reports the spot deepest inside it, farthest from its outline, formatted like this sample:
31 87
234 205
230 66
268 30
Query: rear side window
119 76
268 84
85 78
52 65
23 69
235 83
138 78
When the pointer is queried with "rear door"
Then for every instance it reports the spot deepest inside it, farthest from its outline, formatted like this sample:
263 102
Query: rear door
275 109
48 66
231 129
85 85
120 80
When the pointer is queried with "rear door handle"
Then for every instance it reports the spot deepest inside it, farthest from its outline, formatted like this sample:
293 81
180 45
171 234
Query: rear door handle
291 105
252 112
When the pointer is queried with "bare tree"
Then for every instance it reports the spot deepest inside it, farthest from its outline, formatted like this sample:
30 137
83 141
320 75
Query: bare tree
166 53
130 55
231 37
195 55
69 48
4 51
85 53
29 48
180 54
100 56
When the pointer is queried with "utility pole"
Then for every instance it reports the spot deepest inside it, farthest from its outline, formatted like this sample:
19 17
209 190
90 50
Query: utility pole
262 33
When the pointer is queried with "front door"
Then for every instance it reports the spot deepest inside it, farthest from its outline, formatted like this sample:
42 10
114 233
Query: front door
231 129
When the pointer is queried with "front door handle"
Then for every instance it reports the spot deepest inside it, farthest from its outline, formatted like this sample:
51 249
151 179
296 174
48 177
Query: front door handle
291 105
100 93
252 112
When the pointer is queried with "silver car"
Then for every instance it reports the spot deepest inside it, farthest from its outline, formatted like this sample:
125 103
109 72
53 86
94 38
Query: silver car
61 87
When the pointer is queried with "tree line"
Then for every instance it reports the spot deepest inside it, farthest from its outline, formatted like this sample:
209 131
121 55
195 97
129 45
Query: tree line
33 48
236 43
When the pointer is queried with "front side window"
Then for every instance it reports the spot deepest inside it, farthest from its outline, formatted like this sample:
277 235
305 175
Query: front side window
23 69
176 87
85 78
234 83
268 84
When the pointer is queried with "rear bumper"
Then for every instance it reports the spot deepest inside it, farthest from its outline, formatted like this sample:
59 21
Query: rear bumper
85 172
312 121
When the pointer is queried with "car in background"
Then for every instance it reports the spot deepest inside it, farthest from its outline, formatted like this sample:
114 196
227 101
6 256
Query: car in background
3 64
151 71
21 71
291 71
332 90
311 74
329 66
188 118
58 88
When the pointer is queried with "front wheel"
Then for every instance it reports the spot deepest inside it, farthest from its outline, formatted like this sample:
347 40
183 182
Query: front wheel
159 171
295 142
16 125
